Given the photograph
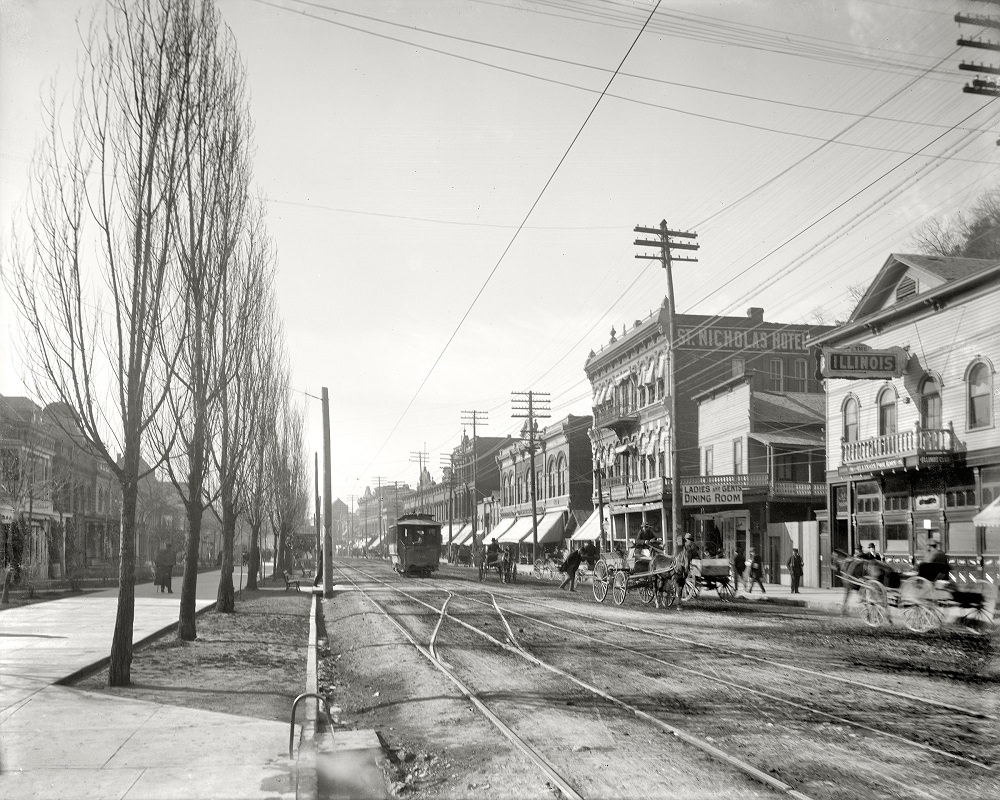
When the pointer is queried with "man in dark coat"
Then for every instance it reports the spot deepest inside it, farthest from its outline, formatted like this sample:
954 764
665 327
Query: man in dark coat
570 566
165 559
795 569
589 554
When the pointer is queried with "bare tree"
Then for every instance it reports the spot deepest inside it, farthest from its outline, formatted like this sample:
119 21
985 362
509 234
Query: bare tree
115 166
244 307
289 477
974 234
269 384
210 219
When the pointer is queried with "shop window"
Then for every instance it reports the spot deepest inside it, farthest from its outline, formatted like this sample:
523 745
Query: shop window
930 404
870 533
961 537
851 414
897 533
868 498
960 497
840 493
980 389
897 502
887 411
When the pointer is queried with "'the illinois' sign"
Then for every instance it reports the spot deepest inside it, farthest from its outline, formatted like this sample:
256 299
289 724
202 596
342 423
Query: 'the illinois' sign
863 364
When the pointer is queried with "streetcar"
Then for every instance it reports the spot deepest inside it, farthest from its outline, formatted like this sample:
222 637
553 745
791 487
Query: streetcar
415 544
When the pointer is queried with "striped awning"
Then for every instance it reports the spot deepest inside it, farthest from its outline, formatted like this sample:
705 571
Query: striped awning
520 530
590 530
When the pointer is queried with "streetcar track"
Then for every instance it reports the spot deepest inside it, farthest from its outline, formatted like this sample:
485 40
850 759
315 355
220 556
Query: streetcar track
685 736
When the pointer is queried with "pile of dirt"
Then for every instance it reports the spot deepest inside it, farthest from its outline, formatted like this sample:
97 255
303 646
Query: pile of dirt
251 662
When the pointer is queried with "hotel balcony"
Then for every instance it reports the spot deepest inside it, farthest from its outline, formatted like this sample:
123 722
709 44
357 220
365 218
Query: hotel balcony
618 418
912 448
618 490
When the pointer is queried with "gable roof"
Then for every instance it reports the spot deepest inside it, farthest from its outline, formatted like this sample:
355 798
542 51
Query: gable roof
797 408
929 273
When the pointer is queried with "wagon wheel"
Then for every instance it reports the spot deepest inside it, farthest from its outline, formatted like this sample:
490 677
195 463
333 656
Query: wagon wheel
874 603
620 588
725 589
600 580
539 568
691 590
981 617
647 591
922 616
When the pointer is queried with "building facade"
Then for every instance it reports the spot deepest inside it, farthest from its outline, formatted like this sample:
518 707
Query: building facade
558 475
762 473
913 449
633 433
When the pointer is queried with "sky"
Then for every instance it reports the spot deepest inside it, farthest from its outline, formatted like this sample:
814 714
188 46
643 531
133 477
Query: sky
452 185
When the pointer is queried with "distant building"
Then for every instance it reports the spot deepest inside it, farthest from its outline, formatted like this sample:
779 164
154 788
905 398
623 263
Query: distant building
913 450
563 470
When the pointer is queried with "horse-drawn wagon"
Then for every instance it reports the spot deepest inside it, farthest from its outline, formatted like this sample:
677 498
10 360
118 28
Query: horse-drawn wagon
712 574
644 568
923 604
500 560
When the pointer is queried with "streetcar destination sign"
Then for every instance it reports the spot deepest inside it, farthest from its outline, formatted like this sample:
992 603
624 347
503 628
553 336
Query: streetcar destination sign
863 363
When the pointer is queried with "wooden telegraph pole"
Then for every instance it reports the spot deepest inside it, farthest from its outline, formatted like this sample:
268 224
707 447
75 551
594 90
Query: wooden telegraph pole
327 501
475 417
532 406
665 244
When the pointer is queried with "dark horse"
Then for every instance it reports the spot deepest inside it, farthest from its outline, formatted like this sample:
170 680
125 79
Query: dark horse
854 571
674 575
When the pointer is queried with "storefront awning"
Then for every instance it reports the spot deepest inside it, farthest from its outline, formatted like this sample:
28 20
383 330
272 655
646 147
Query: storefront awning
590 530
521 529
989 517
373 541
499 529
463 536
551 527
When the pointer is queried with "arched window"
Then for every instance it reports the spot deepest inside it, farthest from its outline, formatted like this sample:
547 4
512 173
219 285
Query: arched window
850 413
887 411
980 390
930 404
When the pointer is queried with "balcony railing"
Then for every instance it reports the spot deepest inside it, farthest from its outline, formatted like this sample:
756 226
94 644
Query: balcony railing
616 417
914 443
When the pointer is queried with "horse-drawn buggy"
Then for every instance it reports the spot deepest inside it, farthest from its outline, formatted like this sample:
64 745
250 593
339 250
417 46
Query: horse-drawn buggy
499 559
644 568
923 603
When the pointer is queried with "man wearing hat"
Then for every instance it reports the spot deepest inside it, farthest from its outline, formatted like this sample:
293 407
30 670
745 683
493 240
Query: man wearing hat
935 566
795 569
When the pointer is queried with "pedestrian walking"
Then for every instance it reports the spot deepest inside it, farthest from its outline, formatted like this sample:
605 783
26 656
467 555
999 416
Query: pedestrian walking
570 566
740 568
795 569
756 572
164 568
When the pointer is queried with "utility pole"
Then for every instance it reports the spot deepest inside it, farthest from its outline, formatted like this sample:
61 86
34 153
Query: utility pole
532 406
319 543
666 258
420 457
984 86
447 471
350 522
327 501
476 418
378 481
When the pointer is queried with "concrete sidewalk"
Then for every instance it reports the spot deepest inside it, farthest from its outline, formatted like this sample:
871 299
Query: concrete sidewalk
60 742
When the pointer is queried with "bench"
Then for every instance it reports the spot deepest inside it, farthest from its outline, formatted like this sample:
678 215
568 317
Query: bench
289 581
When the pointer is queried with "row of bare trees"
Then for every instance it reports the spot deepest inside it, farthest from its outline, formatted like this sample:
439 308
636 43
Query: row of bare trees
144 281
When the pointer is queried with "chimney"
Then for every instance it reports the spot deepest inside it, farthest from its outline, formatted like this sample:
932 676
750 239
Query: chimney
755 314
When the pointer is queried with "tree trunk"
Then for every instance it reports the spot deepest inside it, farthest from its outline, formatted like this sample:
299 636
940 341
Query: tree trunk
253 557
186 626
226 597
120 665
